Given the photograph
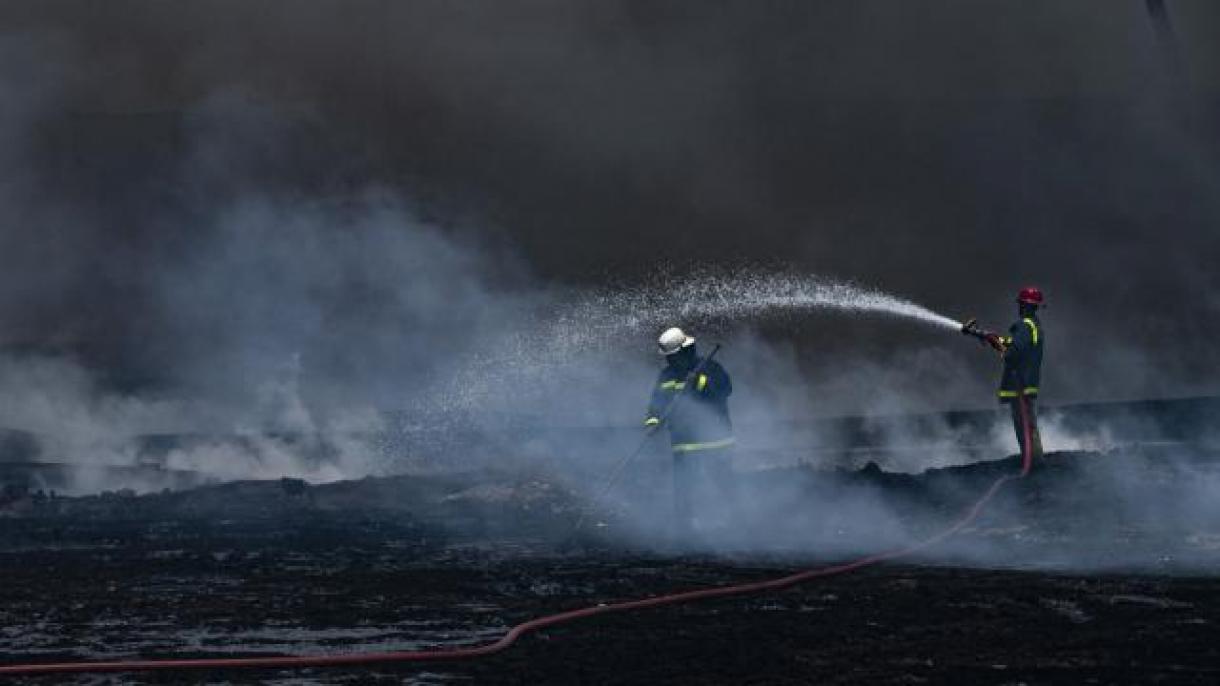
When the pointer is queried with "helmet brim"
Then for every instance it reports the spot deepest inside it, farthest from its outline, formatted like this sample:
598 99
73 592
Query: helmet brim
686 343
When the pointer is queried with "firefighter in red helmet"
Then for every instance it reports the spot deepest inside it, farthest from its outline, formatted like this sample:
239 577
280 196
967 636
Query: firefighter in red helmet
1022 353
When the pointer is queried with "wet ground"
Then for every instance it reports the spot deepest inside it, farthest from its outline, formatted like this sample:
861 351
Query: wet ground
1097 569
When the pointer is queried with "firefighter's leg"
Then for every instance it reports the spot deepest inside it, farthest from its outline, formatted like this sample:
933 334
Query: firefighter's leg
704 492
684 486
1018 423
722 487
1034 434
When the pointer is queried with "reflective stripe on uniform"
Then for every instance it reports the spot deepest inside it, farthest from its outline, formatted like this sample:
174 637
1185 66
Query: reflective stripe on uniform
1033 329
652 421
1032 390
710 445
700 384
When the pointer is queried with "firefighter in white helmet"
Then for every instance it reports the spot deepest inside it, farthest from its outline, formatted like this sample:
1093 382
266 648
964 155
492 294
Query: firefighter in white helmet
700 433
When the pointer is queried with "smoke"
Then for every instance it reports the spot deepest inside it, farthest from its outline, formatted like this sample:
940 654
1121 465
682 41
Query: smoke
327 242
210 294
953 154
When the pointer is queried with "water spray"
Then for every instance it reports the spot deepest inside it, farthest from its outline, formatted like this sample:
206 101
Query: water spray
745 295
709 298
617 318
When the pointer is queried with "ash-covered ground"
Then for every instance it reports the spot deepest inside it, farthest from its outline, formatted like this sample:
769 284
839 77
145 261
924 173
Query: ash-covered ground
1097 568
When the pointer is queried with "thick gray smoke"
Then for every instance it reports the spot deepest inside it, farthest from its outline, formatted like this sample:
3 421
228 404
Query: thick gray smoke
302 223
951 154
216 290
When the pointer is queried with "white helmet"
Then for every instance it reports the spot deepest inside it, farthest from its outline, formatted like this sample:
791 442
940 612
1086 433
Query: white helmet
674 340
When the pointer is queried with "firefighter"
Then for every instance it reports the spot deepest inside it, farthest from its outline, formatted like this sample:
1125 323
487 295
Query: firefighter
690 399
1022 354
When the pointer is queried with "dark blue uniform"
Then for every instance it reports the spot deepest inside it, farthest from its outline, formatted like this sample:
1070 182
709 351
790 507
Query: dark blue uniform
701 420
700 435
1022 359
1022 375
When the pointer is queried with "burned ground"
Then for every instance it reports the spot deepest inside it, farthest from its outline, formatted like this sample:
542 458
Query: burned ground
1062 580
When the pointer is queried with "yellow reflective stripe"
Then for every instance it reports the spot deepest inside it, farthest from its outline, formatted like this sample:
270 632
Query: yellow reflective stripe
1033 329
710 445
700 384
1032 390
651 421
1008 394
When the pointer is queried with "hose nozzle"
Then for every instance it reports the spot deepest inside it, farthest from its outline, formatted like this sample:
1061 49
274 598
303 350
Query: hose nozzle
971 328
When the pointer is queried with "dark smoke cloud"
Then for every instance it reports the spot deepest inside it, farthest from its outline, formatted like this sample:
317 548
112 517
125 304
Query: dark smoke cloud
948 152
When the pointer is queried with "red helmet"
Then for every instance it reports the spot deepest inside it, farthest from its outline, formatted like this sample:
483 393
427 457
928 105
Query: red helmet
1030 296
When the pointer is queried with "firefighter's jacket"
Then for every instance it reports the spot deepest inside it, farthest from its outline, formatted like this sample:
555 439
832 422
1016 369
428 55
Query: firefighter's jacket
1022 359
700 420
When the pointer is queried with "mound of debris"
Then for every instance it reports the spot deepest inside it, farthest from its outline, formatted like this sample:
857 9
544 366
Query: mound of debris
275 567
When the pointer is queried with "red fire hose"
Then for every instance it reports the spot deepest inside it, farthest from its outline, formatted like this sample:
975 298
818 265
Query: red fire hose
539 623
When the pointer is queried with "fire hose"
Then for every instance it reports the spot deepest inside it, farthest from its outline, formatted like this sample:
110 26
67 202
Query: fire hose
546 621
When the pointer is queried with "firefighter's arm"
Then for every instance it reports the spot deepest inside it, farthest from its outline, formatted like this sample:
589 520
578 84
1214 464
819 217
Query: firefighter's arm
652 418
712 380
720 379
1018 342
995 340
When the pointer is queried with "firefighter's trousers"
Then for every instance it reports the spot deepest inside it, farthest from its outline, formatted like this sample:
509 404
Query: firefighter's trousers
704 489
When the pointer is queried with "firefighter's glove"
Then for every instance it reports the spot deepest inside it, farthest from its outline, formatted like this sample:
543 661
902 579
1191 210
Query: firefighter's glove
697 383
972 328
